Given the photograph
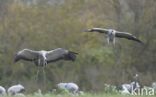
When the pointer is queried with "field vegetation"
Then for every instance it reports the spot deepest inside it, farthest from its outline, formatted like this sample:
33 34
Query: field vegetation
50 24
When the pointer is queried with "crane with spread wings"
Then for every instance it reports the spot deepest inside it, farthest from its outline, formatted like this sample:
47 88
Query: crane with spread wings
42 58
112 34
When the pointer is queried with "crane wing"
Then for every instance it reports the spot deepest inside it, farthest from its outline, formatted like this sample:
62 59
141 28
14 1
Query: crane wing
55 54
127 36
59 54
26 54
100 30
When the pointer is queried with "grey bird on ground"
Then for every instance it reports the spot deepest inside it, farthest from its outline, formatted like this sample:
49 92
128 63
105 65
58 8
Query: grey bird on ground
16 89
112 34
42 58
2 91
71 87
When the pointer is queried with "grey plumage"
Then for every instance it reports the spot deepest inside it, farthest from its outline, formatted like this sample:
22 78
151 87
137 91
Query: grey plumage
71 87
42 58
15 89
2 91
111 34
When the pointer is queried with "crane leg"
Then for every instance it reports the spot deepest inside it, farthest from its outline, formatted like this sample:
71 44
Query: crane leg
108 40
114 41
44 78
37 74
37 77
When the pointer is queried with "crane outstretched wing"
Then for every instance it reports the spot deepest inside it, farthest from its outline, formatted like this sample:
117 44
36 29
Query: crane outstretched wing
26 54
127 36
100 30
55 54
58 54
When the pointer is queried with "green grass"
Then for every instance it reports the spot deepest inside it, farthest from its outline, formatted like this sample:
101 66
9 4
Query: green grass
86 95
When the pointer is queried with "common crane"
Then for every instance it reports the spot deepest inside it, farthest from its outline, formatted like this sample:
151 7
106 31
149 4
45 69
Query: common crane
15 89
42 58
112 34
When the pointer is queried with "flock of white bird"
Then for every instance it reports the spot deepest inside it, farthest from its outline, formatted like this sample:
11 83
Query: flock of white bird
125 89
17 90
73 88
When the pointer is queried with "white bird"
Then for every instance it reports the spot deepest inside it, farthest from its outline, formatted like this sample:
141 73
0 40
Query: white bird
2 91
42 58
71 87
154 85
15 89
111 34
130 87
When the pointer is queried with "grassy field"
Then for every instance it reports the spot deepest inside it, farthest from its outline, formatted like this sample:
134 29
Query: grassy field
88 95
